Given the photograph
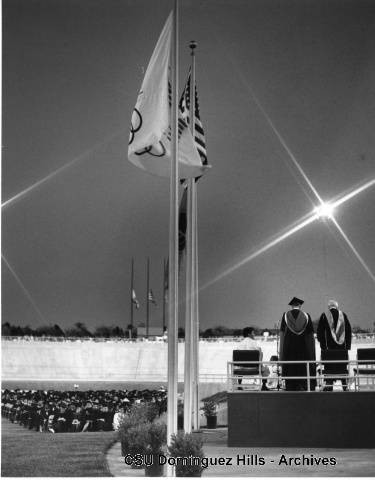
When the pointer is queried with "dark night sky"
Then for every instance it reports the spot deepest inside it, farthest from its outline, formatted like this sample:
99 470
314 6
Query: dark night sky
71 74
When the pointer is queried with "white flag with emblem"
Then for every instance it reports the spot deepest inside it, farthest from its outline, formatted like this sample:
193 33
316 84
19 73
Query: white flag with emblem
150 131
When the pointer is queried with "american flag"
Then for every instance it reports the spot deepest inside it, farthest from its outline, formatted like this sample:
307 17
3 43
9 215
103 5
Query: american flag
184 106
151 297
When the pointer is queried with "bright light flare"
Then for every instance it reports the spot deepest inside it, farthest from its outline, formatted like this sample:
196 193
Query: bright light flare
322 211
80 157
271 243
325 210
354 192
24 289
354 250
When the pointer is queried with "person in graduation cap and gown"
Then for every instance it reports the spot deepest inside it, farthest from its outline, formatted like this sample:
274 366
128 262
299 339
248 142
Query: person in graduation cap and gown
334 330
334 333
297 343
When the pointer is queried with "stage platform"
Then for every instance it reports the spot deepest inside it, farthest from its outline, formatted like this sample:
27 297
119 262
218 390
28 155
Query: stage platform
301 419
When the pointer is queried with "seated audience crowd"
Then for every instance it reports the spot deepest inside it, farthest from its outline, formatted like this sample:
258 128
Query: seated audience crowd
74 411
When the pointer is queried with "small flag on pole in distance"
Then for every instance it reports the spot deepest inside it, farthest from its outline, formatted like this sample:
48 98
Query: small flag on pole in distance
150 132
151 297
134 299
184 106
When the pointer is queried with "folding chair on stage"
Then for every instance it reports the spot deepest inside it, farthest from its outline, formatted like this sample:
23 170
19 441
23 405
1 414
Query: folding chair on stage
242 371
330 371
365 368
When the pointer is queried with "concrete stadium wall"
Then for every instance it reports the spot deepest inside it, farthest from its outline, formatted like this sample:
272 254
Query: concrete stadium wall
105 361
113 361
146 361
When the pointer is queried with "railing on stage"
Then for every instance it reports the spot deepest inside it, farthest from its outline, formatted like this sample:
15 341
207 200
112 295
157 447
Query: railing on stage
356 377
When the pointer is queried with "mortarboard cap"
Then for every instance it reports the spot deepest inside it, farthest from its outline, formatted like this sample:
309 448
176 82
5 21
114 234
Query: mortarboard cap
296 302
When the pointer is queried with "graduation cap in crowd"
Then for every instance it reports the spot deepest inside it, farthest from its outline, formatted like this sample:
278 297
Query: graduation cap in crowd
296 302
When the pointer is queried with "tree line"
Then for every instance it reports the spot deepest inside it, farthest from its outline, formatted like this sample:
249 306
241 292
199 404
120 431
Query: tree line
79 329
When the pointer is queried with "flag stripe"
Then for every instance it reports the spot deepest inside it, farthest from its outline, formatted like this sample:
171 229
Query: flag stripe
198 140
199 129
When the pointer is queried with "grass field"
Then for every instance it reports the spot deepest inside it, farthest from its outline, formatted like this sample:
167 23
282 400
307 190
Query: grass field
26 453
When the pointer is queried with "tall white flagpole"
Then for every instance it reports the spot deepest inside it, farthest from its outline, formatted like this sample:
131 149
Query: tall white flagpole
188 370
173 249
190 349
195 341
194 263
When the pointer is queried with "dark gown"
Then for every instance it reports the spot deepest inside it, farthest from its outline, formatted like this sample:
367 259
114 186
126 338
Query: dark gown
324 333
328 342
297 343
